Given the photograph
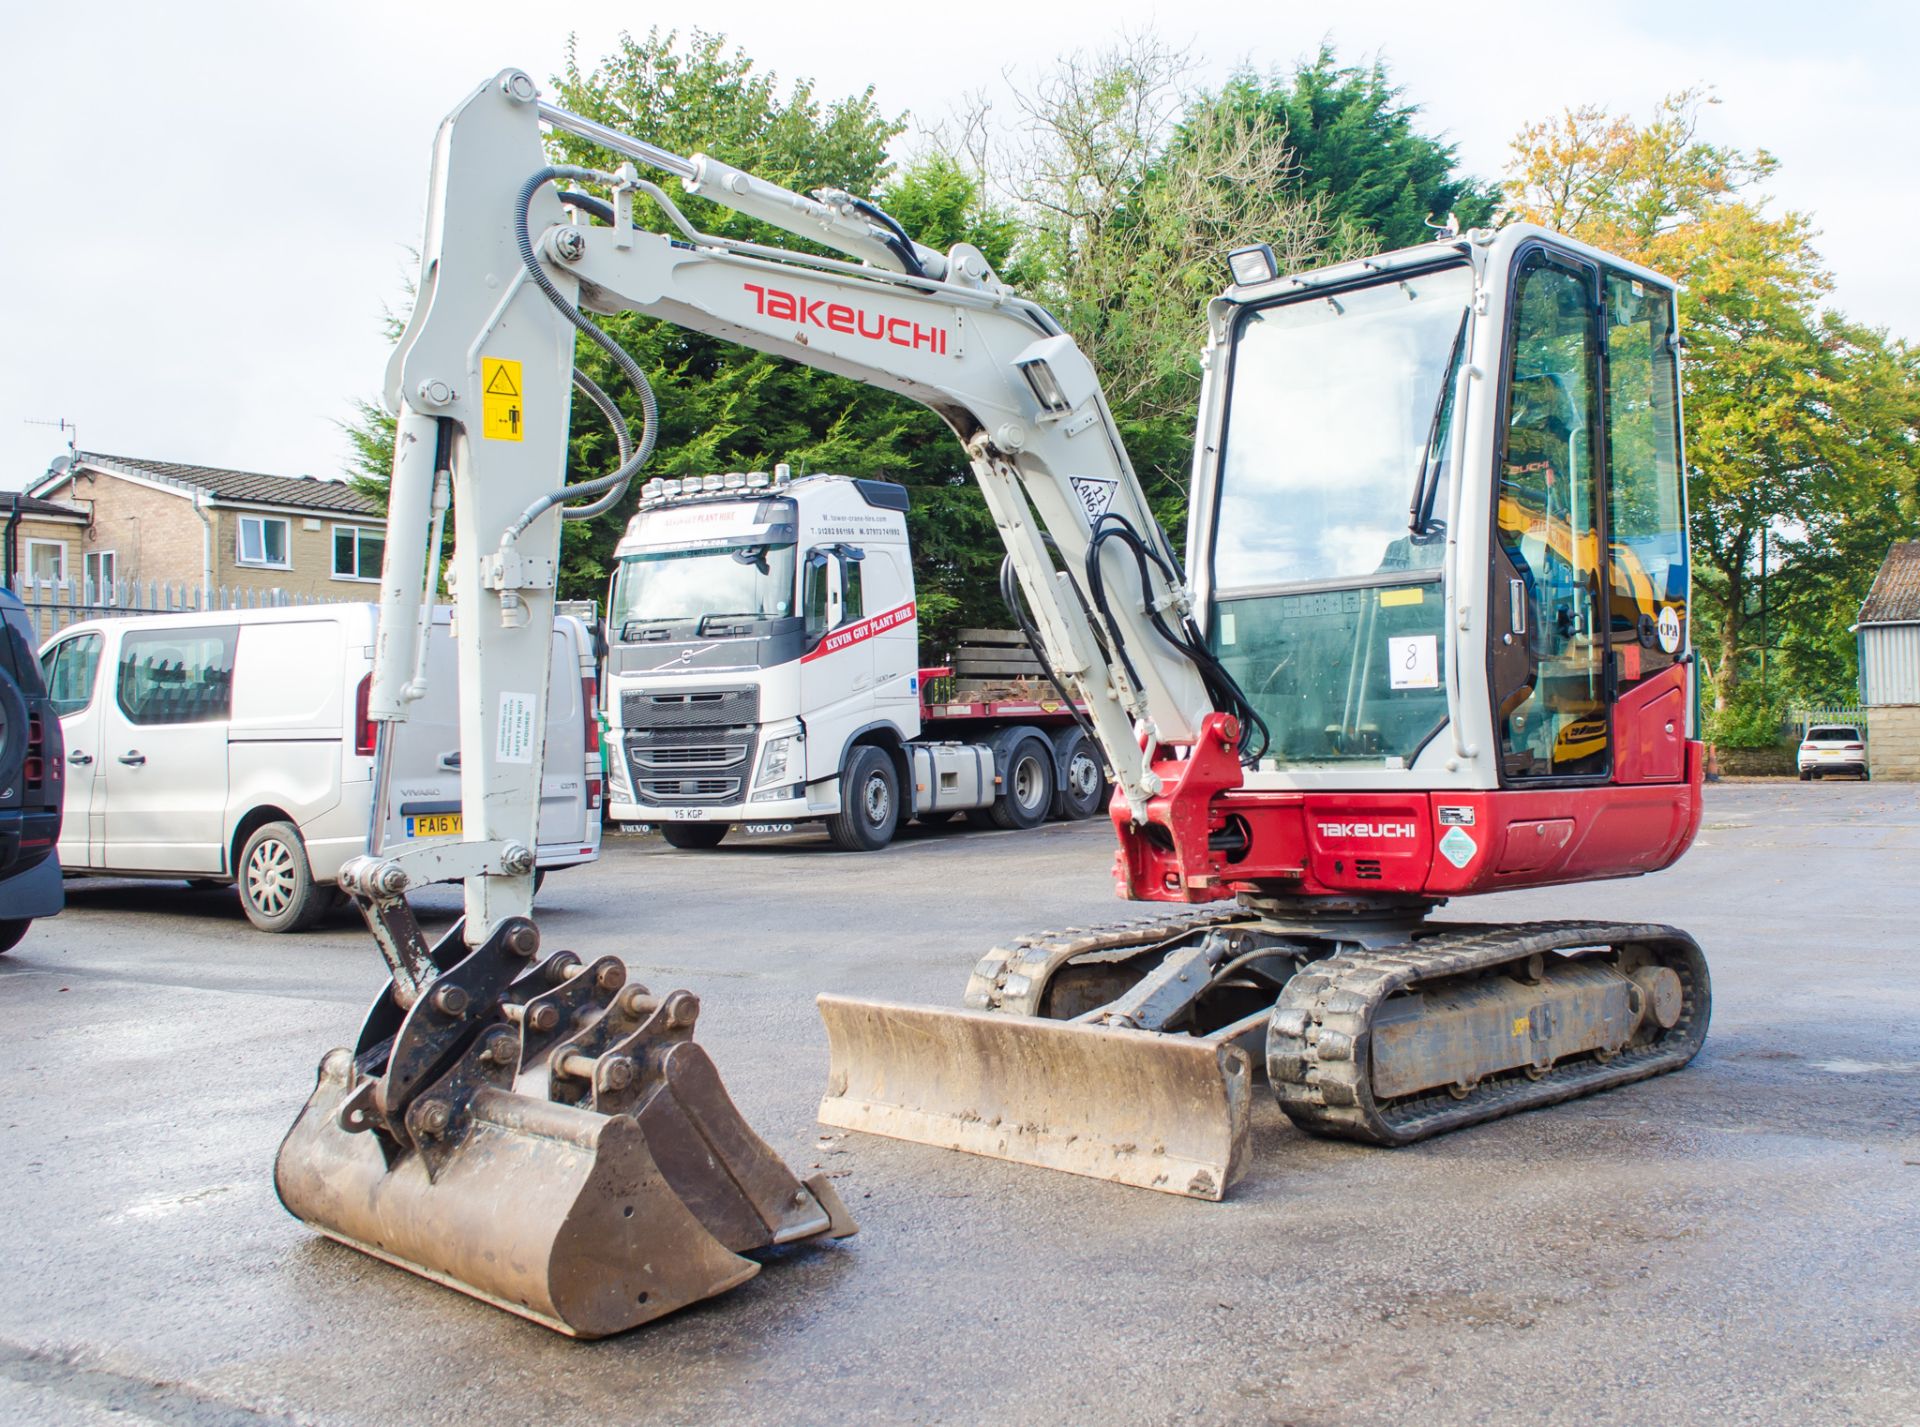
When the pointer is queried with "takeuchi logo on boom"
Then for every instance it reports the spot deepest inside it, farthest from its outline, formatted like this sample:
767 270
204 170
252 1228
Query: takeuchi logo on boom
842 317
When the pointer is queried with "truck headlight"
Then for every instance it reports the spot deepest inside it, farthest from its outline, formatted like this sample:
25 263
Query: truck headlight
775 760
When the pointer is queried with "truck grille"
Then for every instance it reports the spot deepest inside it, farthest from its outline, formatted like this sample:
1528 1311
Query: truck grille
691 747
706 755
711 708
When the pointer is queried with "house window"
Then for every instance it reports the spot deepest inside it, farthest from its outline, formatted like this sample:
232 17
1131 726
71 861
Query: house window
356 552
47 559
103 568
263 541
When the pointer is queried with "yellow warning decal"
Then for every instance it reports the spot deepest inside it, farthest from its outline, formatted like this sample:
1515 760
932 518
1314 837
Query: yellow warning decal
502 412
1390 598
1519 1025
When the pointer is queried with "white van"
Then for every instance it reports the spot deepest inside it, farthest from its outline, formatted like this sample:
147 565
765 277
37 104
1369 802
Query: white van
234 747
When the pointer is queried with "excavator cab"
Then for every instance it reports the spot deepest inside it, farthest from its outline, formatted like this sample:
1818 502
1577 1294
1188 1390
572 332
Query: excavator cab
1438 542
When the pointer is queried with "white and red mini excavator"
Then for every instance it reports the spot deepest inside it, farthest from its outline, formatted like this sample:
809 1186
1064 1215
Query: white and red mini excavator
1429 639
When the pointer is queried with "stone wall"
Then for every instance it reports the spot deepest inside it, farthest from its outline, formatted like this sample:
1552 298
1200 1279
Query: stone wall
1893 743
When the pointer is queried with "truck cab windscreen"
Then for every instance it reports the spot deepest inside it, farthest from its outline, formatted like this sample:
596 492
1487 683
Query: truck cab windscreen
679 593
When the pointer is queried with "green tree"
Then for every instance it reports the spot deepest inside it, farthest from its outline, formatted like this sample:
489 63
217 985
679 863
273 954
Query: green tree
1130 187
1356 151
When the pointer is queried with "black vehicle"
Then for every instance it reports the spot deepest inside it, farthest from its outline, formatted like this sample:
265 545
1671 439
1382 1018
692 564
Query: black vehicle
32 769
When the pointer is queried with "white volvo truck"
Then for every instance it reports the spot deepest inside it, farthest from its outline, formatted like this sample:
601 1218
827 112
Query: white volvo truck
765 668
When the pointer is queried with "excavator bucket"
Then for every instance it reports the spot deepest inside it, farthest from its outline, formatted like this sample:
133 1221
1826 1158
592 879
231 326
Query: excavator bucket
577 1161
1166 1112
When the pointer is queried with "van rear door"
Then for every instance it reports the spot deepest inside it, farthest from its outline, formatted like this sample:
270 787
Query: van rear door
423 799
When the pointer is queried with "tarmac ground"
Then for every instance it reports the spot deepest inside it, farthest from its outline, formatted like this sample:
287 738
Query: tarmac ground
1736 1243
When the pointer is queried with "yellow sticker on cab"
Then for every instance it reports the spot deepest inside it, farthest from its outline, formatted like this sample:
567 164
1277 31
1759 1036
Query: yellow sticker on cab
502 409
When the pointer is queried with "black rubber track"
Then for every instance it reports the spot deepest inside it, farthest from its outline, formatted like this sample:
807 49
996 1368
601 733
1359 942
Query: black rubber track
1319 1037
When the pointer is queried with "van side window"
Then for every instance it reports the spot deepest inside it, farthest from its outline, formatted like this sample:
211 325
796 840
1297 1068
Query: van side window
176 675
70 669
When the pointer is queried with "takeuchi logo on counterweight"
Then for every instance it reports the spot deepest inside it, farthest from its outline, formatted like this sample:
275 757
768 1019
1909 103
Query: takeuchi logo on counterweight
843 317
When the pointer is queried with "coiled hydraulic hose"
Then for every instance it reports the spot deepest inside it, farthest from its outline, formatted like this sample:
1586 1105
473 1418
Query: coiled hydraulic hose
606 490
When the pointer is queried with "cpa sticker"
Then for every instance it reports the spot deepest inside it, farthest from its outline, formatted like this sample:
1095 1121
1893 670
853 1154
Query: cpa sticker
1458 846
1669 628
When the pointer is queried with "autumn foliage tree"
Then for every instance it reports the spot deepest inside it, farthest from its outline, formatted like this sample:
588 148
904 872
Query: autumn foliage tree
1800 437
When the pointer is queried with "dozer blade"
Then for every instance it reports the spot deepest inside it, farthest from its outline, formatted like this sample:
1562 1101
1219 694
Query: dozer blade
1166 1112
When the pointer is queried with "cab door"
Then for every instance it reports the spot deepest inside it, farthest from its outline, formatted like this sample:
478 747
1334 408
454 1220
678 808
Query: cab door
1550 627
164 750
1646 533
72 672
836 667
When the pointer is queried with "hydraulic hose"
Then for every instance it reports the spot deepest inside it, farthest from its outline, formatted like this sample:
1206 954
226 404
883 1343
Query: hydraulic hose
1010 595
607 490
618 422
1222 688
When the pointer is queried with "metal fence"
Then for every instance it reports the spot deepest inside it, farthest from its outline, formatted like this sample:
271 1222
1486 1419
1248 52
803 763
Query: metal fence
1803 719
52 605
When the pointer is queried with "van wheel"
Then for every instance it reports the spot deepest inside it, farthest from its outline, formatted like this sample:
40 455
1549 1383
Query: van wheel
1026 794
1084 790
869 802
277 887
11 931
693 835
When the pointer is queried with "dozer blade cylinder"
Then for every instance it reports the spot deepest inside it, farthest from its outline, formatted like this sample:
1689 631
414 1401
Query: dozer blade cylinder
549 1211
1166 1112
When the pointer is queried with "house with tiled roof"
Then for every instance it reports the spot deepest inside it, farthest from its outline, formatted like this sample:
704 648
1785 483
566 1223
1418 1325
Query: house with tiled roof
205 526
40 539
1889 635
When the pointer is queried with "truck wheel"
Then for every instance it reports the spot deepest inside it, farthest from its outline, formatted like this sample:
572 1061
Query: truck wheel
869 802
1083 792
1026 792
277 887
11 931
693 835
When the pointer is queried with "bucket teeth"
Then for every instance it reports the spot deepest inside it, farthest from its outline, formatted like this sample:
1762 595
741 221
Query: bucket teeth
580 1163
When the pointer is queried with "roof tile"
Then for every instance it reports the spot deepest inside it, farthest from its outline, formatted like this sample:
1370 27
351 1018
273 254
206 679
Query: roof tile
303 492
1895 596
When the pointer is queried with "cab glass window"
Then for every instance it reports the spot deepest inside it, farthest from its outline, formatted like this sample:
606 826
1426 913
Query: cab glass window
813 595
1548 672
1646 504
70 667
176 676
852 603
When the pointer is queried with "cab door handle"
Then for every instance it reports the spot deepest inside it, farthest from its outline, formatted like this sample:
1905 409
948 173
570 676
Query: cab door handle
133 758
81 758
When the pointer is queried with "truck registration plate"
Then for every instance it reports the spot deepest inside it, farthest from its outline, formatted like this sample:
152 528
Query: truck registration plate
434 825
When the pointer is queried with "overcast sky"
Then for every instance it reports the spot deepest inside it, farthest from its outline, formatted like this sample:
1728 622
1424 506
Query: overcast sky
209 202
